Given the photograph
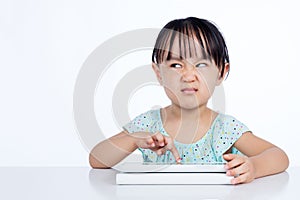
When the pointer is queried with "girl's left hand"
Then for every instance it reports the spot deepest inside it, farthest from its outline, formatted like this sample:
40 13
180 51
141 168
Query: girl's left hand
241 167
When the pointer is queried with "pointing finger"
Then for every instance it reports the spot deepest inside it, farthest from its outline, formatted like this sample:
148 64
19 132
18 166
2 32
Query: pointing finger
171 147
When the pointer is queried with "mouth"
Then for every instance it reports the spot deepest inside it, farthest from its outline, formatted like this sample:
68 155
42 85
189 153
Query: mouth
189 90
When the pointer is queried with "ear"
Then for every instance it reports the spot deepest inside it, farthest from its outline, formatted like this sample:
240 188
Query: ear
221 78
157 72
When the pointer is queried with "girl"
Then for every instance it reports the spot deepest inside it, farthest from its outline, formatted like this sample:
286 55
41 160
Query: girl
190 59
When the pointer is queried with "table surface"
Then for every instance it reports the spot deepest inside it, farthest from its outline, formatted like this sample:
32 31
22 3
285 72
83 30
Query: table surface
86 183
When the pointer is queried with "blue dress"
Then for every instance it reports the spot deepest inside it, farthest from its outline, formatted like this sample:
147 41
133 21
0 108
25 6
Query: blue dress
223 133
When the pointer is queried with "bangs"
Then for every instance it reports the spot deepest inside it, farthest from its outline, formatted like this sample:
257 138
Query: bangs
182 43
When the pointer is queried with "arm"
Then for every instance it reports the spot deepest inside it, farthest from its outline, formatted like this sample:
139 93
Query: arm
111 151
262 159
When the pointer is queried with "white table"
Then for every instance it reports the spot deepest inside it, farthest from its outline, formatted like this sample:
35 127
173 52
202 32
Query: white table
85 183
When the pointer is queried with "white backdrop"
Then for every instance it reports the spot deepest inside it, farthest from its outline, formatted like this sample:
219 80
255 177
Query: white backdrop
43 45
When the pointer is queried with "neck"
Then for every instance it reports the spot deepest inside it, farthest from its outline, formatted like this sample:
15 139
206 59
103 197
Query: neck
195 113
187 125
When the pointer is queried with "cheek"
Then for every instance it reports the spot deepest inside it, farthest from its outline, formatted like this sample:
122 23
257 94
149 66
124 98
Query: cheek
171 94
208 80
170 79
170 82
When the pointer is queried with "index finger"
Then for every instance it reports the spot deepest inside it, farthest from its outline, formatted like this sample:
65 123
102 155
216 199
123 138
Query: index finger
171 147
176 154
234 161
229 157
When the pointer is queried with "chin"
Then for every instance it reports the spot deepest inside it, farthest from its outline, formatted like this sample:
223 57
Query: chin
189 106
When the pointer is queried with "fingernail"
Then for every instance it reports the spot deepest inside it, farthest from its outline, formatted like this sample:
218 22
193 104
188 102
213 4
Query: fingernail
178 160
226 167
152 145
161 144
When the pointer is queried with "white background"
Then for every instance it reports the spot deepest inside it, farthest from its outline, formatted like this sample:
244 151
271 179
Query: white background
44 43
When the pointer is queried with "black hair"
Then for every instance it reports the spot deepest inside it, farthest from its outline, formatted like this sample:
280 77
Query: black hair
196 30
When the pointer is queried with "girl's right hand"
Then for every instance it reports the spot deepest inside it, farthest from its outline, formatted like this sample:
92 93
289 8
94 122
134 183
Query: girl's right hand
157 142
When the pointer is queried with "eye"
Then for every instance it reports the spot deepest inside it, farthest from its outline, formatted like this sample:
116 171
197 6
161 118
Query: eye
201 65
176 65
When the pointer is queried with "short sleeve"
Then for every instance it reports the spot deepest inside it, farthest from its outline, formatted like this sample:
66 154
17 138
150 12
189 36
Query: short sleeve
227 131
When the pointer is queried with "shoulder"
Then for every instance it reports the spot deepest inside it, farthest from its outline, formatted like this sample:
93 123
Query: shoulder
230 123
143 122
147 117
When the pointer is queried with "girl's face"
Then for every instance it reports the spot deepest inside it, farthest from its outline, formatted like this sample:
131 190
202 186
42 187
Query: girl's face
188 82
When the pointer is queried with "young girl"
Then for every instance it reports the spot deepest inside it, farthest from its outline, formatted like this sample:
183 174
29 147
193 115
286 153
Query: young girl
190 59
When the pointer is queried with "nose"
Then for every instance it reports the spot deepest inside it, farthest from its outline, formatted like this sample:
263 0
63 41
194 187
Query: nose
189 74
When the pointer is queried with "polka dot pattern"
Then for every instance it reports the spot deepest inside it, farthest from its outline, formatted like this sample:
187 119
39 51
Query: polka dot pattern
223 133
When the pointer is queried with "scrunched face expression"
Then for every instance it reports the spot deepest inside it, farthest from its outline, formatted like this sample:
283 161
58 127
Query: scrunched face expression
189 78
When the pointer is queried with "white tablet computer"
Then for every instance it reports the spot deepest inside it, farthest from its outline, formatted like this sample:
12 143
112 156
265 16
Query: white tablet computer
138 167
139 173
